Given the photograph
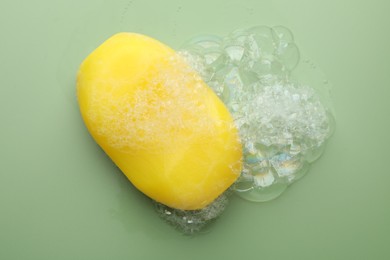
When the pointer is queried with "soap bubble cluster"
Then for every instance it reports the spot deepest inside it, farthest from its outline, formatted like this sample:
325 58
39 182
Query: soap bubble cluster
283 124
192 221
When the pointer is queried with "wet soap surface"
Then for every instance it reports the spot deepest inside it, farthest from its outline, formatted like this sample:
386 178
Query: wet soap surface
158 121
61 198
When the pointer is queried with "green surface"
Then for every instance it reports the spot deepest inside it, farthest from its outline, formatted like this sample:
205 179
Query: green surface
62 198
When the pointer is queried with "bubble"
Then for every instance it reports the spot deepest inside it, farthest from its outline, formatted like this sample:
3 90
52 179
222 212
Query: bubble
257 194
262 67
282 35
237 37
211 56
263 38
277 67
263 177
235 52
286 164
314 153
205 42
289 55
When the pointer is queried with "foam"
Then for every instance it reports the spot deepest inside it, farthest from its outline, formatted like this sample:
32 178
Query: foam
283 123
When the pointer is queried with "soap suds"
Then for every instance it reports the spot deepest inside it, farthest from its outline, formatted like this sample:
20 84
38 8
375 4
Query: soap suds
153 115
193 221
283 124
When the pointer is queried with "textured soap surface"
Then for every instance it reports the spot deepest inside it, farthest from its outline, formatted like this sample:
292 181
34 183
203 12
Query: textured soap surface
158 121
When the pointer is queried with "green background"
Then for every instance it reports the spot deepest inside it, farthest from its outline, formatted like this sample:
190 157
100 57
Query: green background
62 198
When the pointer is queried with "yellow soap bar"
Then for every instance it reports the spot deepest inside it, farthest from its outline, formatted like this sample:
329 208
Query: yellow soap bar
158 121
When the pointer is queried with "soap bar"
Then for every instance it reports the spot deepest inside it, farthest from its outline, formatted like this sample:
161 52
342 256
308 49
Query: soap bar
158 121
